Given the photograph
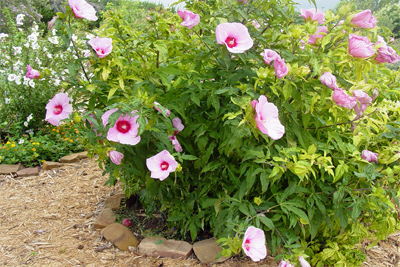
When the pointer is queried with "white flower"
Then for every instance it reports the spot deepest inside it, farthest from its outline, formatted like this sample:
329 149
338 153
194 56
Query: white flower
32 83
74 37
44 49
53 40
57 82
49 55
21 141
26 80
18 79
30 131
11 77
26 124
32 37
29 117
54 31
3 35
7 100
17 50
35 46
27 45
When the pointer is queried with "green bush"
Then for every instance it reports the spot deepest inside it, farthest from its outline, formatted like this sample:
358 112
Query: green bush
310 191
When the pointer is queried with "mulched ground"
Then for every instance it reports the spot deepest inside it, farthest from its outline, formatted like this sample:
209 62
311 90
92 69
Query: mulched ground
47 220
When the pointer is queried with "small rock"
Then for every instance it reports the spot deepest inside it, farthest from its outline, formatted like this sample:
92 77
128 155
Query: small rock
8 168
74 157
207 250
161 247
28 172
120 236
49 165
106 217
80 246
114 202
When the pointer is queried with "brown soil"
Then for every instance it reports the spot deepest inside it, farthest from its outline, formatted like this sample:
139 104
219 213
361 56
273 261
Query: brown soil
47 220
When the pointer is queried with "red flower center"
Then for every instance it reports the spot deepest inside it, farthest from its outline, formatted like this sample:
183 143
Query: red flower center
123 126
164 166
57 109
100 50
247 244
230 42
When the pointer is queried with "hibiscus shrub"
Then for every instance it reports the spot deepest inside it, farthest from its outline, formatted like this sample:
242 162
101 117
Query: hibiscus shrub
230 116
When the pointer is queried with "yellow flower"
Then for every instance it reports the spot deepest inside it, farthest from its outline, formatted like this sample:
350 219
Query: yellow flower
12 145
52 130
77 132
57 131
257 201
62 133
37 143
33 149
8 142
43 160
71 140
4 146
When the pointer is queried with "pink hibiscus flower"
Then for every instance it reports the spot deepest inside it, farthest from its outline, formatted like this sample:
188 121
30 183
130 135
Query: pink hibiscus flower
115 156
177 123
281 69
319 34
364 19
360 46
161 165
82 9
329 80
369 156
32 73
270 55
58 109
342 99
254 243
313 15
303 262
285 264
102 46
235 36
125 129
267 118
190 19
175 143
364 100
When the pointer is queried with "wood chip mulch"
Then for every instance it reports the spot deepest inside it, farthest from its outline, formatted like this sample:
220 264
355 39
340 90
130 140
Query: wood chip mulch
47 220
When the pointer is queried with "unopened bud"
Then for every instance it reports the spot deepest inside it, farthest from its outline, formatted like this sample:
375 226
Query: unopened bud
52 22
375 93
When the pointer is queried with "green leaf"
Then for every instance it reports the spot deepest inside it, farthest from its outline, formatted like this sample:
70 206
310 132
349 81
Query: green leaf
189 157
267 222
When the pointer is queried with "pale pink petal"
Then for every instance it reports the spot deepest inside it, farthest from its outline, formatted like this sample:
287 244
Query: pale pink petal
177 123
303 262
116 157
364 19
82 9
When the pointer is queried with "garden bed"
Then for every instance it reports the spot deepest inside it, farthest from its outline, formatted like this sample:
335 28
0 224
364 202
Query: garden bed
47 220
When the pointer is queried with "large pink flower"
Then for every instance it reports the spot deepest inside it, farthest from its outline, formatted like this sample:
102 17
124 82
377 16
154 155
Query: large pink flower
125 129
342 99
267 118
254 243
364 100
270 55
190 19
235 36
312 39
58 109
369 156
102 46
303 262
364 19
116 156
313 15
386 54
161 165
360 46
329 80
281 69
177 123
32 73
285 264
82 9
